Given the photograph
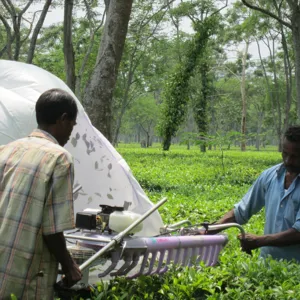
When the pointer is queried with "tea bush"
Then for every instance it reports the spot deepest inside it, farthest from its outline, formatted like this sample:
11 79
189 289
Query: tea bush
202 187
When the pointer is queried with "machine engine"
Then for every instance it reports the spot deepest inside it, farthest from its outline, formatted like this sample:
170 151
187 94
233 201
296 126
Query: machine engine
108 219
99 225
96 219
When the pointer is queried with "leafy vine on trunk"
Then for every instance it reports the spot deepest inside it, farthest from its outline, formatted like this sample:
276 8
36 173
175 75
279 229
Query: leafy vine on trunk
176 90
200 114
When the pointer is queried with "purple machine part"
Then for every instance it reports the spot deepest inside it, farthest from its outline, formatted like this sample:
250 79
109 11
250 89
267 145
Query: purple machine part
157 253
152 255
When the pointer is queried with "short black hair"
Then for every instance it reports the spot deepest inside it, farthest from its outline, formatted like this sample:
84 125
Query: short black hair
292 134
52 104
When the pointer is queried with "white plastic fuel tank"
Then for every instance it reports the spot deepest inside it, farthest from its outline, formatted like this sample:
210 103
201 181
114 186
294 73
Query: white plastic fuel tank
120 220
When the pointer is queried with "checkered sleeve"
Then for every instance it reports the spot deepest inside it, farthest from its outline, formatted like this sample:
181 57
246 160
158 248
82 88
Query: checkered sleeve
58 211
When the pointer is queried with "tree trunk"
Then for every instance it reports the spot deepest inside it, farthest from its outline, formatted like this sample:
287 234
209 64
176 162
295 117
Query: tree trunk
16 21
294 25
276 120
244 98
167 142
277 100
213 122
201 116
99 91
68 46
176 93
260 117
125 102
148 139
37 31
203 148
9 40
288 79
188 145
78 88
16 27
139 134
295 20
119 122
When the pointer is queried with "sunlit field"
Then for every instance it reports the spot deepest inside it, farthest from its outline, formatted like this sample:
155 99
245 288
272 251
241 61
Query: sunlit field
202 187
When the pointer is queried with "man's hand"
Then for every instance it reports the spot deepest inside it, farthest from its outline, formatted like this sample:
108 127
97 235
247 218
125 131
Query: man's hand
201 231
250 242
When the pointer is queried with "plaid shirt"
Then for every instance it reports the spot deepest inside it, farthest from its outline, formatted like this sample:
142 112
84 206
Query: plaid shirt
36 199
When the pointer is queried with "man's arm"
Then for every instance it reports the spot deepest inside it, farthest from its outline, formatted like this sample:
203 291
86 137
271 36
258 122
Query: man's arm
229 217
281 239
56 244
251 203
59 216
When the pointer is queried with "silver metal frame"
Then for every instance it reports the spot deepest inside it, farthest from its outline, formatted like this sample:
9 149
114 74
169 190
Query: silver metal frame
226 226
115 240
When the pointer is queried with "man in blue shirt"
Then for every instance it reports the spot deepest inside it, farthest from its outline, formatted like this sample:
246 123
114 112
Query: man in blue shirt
278 190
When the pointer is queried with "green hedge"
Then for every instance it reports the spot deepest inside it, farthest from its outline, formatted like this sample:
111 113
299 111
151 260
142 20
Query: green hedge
202 187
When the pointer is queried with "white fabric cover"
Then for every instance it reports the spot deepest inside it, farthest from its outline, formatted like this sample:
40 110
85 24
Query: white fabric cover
104 175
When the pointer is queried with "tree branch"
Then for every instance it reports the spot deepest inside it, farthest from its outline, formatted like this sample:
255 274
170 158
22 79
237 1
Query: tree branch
8 38
8 6
219 9
163 7
68 49
25 8
88 52
3 50
268 13
30 26
36 31
16 20
176 23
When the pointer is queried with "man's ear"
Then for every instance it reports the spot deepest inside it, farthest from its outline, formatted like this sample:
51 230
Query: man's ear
64 117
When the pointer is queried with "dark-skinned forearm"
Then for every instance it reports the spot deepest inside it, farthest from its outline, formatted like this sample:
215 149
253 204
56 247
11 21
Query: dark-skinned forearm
227 218
281 239
56 244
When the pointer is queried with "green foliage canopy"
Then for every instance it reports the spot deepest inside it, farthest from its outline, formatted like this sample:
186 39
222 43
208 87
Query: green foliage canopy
177 86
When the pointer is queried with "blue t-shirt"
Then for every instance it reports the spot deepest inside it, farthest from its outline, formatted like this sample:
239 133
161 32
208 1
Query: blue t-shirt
282 208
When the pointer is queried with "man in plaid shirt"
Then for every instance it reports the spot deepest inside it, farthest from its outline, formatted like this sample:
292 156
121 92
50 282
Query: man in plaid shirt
36 203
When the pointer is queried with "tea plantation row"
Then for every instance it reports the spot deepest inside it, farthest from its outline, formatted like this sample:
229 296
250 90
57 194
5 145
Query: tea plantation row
202 187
